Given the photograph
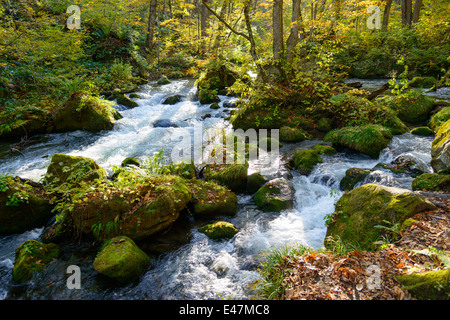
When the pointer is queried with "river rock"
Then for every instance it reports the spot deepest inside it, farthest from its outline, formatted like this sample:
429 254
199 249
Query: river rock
422 131
172 100
219 230
439 118
254 182
163 80
424 82
233 176
126 101
322 148
359 211
352 177
23 206
305 160
84 112
122 260
275 196
31 257
440 150
162 123
212 199
289 134
432 182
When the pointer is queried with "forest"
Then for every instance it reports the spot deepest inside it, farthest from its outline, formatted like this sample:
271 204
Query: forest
353 95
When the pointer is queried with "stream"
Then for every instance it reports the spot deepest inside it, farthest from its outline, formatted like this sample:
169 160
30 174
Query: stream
196 268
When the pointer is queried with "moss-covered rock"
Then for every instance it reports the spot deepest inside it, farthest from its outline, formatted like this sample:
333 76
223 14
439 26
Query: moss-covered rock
172 100
23 206
405 164
424 82
31 257
422 131
208 97
432 182
72 170
305 160
369 139
439 118
359 211
126 101
219 230
324 149
430 285
163 80
440 149
217 76
254 182
275 196
131 161
233 176
84 112
210 198
289 134
214 106
122 260
352 177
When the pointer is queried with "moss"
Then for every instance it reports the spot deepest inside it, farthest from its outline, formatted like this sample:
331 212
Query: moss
219 230
289 134
83 112
131 161
208 97
324 149
126 101
440 149
23 206
305 160
184 170
72 169
439 118
431 285
233 176
413 107
163 80
432 182
325 124
217 76
212 199
360 210
214 106
369 139
31 257
275 196
254 182
422 131
352 177
122 260
172 100
424 82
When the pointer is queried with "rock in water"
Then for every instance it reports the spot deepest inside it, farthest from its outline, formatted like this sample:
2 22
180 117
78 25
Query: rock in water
126 101
122 260
440 150
219 230
275 196
359 211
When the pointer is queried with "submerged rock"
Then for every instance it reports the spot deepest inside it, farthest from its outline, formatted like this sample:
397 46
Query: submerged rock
122 260
219 230
31 257
359 211
275 196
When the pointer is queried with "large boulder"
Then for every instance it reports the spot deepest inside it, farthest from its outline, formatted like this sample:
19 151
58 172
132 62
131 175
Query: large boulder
233 176
219 230
289 134
23 205
413 107
31 257
352 177
126 101
439 118
430 285
305 160
440 150
432 182
122 260
275 196
360 210
84 112
369 139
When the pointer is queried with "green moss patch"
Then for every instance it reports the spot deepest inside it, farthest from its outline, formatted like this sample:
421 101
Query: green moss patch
305 160
219 230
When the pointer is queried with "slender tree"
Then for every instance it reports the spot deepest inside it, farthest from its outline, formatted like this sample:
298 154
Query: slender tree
278 42
387 11
295 29
417 8
151 25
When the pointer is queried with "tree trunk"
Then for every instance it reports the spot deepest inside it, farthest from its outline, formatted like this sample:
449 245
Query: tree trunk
278 43
416 13
406 12
204 16
296 26
387 11
149 43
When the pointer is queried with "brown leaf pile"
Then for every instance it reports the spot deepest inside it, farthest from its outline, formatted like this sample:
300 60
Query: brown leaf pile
369 275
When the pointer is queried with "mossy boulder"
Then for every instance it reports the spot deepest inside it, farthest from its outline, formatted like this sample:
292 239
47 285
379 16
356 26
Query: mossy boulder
413 107
423 82
289 134
72 170
405 164
369 139
432 182
219 230
352 177
275 196
254 182
163 80
122 260
439 118
84 112
214 106
210 198
23 206
422 131
126 101
430 285
138 206
305 160
208 97
324 149
172 100
32 257
130 161
217 76
233 176
360 210
440 149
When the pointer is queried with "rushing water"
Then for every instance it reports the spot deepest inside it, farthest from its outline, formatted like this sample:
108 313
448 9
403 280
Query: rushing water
197 268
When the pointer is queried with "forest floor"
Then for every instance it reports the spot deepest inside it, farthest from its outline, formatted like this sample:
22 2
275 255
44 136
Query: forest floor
363 275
